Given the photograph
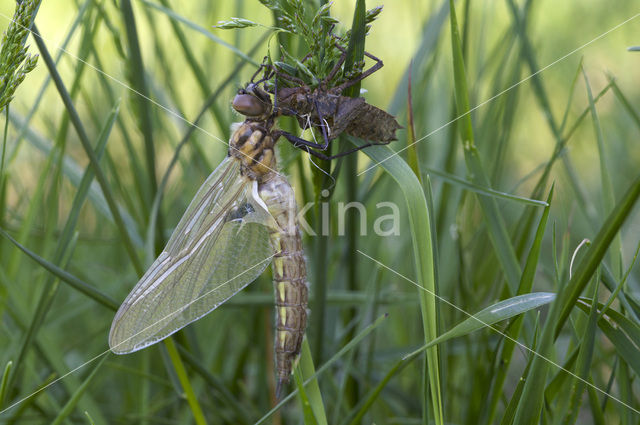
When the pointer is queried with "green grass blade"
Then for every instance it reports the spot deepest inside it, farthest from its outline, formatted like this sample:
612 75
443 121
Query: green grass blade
26 404
607 186
510 411
583 365
491 212
71 403
225 396
413 159
63 275
514 330
367 402
429 40
172 15
178 366
622 332
625 102
201 77
307 411
484 190
305 373
420 226
84 138
530 404
5 379
597 250
86 181
495 313
74 173
65 240
139 85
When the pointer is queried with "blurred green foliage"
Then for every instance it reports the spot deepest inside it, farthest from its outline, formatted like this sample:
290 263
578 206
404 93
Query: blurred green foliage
553 99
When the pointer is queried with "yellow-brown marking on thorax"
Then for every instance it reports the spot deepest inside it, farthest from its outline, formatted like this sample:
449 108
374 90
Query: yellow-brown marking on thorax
252 144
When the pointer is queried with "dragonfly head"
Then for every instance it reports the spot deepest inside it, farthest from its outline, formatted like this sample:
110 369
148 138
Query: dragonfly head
253 102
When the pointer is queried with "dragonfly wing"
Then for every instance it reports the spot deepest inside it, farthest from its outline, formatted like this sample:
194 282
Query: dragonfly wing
220 245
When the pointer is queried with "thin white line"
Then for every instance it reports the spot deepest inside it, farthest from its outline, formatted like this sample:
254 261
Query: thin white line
133 336
503 92
175 114
501 333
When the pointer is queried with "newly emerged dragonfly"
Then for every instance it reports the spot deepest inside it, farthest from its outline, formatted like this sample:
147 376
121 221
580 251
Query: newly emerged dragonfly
241 219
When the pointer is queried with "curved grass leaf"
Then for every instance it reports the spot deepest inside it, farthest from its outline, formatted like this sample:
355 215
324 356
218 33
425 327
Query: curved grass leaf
597 250
495 313
622 332
514 330
497 230
311 397
71 403
84 139
185 382
484 190
5 378
65 276
531 403
420 226
585 356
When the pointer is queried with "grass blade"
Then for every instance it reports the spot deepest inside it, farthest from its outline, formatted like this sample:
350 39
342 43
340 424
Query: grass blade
492 214
84 138
607 187
514 330
313 395
63 275
174 16
71 403
597 250
198 416
419 222
495 313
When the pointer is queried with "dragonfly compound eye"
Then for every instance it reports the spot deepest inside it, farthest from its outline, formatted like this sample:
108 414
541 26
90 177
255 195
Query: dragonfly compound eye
249 105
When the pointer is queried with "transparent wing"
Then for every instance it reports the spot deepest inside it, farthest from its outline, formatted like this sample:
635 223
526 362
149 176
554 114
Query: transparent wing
220 245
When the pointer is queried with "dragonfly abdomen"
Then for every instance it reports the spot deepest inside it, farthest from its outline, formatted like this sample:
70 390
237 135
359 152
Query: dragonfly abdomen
289 274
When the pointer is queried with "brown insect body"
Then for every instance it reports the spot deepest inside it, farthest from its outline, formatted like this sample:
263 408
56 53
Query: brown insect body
252 144
351 115
289 274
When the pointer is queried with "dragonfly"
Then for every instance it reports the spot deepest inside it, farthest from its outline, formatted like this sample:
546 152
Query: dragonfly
242 218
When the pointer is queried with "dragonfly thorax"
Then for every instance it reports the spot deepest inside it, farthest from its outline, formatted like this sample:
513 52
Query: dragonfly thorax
252 144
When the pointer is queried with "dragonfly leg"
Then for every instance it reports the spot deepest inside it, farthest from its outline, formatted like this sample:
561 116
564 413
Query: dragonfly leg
323 126
362 76
305 145
276 107
288 77
263 67
335 68
298 142
345 153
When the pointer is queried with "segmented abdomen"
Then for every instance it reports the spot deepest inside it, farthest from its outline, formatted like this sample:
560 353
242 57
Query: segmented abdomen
289 274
